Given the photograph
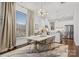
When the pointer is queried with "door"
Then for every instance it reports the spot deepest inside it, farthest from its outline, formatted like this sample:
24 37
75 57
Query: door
69 31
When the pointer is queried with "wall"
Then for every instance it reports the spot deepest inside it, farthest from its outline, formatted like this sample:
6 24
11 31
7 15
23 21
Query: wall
20 8
76 25
40 22
61 12
59 25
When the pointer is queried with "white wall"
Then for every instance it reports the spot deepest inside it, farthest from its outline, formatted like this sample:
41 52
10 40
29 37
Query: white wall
76 25
41 23
61 12
20 8
59 25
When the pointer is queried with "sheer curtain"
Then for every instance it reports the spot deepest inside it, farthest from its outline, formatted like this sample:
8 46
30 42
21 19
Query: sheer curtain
30 23
8 40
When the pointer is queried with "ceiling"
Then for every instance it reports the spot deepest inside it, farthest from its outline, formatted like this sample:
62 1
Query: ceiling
55 9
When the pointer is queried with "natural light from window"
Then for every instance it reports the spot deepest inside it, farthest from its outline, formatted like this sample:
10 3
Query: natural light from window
20 24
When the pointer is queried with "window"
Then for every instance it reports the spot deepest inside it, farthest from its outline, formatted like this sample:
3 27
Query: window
20 24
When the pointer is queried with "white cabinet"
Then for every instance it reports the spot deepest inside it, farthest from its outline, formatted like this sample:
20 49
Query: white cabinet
57 37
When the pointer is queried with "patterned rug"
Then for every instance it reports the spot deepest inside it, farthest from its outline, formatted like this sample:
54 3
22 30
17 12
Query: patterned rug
61 50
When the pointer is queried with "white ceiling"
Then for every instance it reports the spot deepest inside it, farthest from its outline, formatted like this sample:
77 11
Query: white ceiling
55 9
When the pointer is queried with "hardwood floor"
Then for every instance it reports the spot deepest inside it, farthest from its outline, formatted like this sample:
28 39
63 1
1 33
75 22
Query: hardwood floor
73 51
77 49
71 47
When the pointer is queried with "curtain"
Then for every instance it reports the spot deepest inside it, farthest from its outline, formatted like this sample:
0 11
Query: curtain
30 21
8 40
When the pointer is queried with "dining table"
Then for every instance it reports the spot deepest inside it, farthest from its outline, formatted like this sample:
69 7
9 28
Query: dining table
40 39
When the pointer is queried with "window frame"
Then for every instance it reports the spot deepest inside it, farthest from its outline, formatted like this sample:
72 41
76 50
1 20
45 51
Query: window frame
24 10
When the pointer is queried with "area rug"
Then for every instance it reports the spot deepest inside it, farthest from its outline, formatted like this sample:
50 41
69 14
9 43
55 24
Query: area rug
61 50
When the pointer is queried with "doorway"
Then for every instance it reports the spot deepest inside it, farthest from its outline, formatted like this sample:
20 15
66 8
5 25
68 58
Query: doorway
69 31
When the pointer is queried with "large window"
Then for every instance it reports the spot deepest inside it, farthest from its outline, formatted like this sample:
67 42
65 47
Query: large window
20 24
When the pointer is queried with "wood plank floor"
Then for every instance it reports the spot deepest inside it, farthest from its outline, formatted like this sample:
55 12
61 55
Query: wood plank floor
71 47
72 51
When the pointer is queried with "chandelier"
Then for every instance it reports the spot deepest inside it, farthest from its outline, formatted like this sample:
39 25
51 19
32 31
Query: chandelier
42 12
